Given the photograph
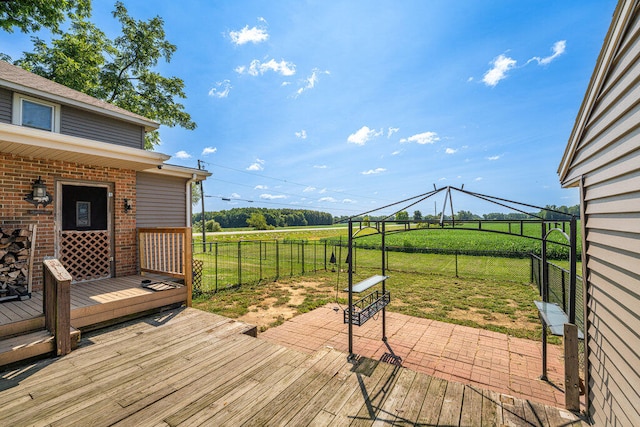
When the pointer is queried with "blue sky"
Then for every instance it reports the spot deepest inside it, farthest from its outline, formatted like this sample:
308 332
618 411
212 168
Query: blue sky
346 106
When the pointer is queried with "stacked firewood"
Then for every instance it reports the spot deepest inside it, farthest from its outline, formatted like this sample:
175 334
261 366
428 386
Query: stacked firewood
15 252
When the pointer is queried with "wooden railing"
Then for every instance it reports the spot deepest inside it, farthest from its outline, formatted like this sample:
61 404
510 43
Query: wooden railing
167 251
57 304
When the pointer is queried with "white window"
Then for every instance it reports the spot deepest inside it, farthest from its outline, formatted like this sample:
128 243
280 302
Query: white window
34 113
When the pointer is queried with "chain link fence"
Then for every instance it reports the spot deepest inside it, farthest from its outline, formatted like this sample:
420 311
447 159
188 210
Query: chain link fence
558 285
222 265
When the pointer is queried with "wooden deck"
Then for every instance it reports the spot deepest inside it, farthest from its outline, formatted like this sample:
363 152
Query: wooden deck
187 367
92 303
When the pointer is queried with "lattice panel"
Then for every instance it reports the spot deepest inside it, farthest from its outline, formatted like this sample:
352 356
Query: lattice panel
86 254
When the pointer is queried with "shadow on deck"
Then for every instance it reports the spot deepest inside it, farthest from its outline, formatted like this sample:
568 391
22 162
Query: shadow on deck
93 304
188 367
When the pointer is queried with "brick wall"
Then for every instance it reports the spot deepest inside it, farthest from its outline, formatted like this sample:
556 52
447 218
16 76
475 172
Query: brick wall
17 175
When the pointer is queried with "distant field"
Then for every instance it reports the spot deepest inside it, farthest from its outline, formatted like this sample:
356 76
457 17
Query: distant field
465 237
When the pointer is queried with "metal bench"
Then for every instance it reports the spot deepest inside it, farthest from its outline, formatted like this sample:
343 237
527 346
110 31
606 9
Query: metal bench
554 317
367 283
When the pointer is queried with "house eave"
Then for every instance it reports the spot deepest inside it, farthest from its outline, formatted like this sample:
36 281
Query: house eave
181 172
621 16
33 143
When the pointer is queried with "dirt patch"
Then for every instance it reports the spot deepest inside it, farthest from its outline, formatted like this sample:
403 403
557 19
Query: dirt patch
272 311
481 317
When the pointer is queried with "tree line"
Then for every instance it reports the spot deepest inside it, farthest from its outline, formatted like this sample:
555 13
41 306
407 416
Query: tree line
237 217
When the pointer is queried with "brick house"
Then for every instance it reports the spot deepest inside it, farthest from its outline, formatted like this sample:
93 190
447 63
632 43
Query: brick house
101 183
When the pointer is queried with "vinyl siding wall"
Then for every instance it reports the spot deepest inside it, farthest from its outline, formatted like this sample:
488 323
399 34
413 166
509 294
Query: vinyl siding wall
88 125
5 106
161 201
85 124
607 159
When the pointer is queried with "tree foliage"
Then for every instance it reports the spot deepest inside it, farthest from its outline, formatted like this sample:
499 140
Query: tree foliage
32 15
258 221
119 71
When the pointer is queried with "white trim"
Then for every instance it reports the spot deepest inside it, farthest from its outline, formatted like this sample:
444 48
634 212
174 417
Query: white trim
181 172
16 118
30 142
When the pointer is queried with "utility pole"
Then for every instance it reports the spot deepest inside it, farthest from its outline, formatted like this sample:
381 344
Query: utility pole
204 227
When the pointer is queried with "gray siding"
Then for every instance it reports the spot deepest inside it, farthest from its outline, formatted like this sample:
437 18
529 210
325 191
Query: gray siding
607 159
6 102
160 201
88 125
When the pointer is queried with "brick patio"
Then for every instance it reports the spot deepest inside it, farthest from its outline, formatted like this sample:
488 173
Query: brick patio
467 355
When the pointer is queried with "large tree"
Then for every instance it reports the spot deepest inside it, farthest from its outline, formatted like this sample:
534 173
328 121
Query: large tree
119 71
33 15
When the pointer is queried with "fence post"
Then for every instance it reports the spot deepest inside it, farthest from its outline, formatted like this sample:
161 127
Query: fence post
260 254
302 244
325 255
239 263
216 263
277 259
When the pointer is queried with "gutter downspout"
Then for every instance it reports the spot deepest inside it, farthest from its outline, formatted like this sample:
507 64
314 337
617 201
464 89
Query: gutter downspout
188 197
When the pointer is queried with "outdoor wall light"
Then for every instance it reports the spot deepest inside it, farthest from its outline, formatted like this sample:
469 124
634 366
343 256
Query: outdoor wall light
39 195
127 205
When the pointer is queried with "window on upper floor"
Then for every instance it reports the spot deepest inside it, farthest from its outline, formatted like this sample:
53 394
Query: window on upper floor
35 113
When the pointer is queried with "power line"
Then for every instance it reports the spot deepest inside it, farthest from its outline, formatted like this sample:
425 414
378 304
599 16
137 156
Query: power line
229 199
291 182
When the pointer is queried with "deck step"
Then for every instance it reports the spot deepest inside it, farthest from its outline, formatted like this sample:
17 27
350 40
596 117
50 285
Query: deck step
30 345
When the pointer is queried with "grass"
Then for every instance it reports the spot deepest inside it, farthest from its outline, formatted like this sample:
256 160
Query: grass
485 292
495 303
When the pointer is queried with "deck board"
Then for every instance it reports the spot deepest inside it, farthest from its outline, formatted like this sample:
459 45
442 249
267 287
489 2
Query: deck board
187 367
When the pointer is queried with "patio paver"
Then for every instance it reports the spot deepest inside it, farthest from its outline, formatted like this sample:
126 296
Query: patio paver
471 356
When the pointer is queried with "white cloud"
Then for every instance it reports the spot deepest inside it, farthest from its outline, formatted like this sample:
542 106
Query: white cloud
267 196
209 150
391 131
249 35
260 187
558 49
395 153
257 67
363 135
493 158
310 82
235 196
320 166
450 151
183 155
324 190
442 179
348 201
422 138
498 71
327 199
373 171
221 89
302 134
478 179
309 189
256 166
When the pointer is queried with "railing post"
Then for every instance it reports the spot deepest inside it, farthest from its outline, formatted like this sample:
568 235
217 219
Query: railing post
57 304
571 363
